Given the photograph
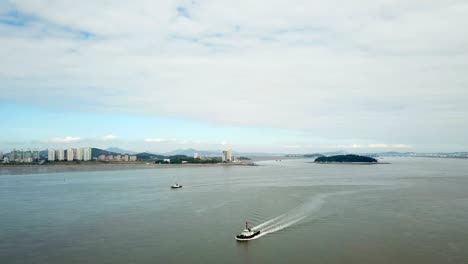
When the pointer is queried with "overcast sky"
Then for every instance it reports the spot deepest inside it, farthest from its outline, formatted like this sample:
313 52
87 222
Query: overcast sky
254 75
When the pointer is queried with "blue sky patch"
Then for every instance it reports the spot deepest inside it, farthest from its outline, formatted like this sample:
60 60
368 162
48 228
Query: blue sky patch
16 18
183 11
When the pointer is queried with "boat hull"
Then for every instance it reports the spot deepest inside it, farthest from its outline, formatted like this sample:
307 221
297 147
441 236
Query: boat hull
247 238
178 187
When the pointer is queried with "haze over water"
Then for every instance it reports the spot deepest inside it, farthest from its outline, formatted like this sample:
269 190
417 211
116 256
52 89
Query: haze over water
413 210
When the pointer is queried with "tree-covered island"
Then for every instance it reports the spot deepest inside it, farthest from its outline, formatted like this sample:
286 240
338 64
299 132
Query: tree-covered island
345 159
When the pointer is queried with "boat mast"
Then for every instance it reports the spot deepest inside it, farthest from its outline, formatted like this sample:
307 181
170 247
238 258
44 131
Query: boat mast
246 225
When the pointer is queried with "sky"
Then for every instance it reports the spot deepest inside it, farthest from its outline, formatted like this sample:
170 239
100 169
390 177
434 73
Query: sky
253 76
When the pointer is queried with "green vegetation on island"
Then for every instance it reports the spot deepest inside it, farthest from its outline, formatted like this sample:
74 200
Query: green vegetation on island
346 158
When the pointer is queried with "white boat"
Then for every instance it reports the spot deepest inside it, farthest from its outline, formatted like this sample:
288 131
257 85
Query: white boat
176 186
247 234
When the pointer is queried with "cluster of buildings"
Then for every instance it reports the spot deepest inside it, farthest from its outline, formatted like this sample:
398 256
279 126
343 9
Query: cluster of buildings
20 156
71 154
118 157
226 156
85 154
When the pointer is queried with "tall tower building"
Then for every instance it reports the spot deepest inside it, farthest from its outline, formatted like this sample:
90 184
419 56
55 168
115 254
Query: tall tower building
78 154
86 152
13 155
70 154
60 154
50 154
226 156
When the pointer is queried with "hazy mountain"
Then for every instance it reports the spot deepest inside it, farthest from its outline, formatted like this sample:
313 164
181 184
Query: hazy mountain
190 152
121 151
148 156
95 152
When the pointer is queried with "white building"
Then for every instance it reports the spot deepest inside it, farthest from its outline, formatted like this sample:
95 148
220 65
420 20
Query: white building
78 154
226 156
196 156
70 154
50 154
60 154
86 152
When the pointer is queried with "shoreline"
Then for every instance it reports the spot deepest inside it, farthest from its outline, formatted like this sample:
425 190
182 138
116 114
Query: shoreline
31 169
124 164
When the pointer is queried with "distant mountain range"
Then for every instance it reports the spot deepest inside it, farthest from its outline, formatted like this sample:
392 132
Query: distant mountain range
121 151
187 152
190 152
95 152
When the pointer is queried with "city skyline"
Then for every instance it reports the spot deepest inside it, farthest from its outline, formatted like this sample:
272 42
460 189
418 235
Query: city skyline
369 76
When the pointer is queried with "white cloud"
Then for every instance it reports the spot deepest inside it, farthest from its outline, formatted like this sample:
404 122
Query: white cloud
109 138
393 146
154 140
67 139
363 70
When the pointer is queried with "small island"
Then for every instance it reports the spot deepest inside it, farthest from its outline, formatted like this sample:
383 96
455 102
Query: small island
345 159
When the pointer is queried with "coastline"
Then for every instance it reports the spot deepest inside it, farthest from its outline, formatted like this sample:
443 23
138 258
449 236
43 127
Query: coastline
65 167
108 164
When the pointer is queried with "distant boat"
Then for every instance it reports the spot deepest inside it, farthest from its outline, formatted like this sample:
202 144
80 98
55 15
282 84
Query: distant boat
176 186
247 234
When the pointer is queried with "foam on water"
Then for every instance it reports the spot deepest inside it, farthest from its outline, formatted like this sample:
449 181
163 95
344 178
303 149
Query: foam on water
299 213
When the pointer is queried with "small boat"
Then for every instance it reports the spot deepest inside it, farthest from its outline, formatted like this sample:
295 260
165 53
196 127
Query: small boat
176 186
247 234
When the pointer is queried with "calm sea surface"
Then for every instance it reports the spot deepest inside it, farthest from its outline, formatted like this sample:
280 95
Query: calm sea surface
410 211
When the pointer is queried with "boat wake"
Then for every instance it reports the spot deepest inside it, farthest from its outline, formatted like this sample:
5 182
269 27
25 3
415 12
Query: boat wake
297 214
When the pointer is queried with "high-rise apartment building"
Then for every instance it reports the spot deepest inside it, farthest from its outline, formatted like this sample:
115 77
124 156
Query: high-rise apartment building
13 155
50 154
60 154
70 154
87 154
226 156
78 155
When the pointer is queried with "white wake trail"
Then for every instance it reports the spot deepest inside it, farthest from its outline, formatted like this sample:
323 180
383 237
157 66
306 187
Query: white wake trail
298 214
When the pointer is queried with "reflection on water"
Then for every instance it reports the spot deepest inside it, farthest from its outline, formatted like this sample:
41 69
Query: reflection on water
409 211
